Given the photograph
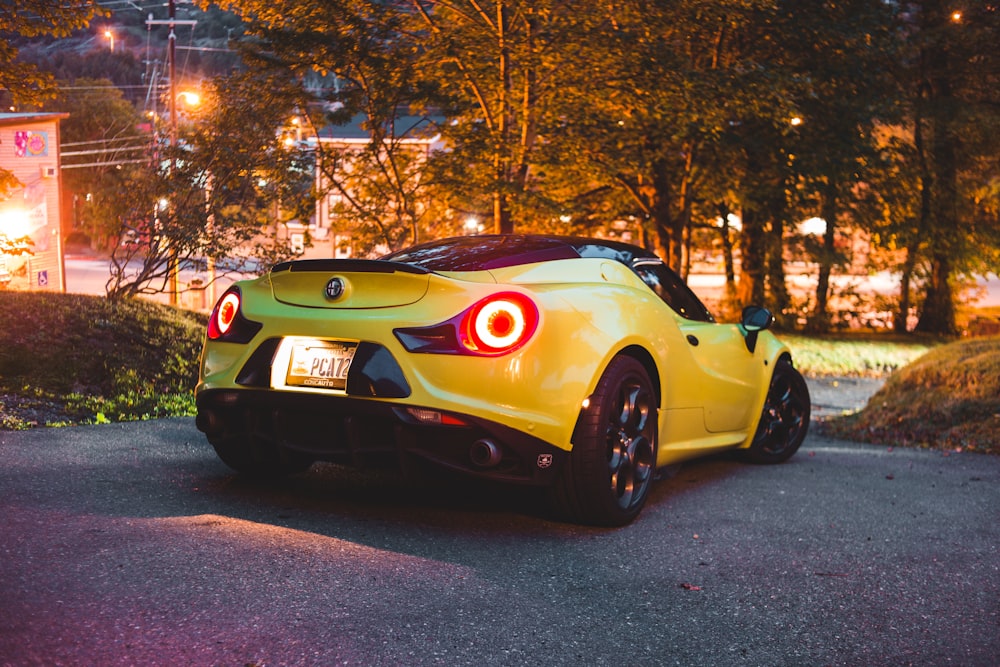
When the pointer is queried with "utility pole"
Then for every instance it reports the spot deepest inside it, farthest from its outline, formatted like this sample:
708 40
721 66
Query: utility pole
172 58
171 22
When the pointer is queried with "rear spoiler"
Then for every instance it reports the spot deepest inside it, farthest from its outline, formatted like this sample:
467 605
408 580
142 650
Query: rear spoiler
347 266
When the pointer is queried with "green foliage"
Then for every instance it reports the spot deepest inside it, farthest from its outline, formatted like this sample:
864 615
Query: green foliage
103 132
225 187
80 359
591 117
347 62
21 83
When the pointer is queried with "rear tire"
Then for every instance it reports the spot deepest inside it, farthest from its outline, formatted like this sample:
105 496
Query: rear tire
784 420
607 477
257 457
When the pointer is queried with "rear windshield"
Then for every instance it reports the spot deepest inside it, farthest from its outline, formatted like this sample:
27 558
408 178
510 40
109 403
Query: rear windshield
481 253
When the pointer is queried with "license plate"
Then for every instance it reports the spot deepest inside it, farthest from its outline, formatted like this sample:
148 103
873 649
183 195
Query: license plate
321 363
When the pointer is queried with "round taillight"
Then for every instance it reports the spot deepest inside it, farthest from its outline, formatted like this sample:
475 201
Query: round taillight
500 323
224 316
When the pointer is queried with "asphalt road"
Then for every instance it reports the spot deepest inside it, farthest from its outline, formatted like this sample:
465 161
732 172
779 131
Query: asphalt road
130 544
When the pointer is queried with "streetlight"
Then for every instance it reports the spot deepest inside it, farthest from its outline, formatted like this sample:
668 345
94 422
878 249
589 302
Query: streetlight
111 36
190 98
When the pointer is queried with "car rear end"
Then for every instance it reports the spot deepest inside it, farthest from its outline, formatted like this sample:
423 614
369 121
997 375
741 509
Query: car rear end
371 362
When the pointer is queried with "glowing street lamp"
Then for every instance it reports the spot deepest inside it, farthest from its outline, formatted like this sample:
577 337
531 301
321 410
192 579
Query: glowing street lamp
189 98
111 36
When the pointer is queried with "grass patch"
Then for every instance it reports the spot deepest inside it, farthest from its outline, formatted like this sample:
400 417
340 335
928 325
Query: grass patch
947 399
855 355
75 359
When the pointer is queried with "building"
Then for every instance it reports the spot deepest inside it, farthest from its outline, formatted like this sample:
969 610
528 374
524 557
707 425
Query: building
29 149
331 237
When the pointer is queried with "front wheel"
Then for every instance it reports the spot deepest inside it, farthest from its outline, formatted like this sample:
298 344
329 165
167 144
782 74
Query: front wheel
610 470
785 418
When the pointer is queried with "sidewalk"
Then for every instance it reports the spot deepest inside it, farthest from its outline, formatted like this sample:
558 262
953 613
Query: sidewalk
835 396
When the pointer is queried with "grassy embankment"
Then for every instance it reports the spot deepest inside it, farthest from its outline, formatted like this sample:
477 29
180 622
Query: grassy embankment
948 398
69 359
72 359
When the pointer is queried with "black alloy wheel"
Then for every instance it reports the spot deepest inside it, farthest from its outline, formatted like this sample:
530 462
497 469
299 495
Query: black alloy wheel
610 470
784 420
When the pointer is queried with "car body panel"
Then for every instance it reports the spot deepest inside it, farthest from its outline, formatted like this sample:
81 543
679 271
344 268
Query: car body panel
380 290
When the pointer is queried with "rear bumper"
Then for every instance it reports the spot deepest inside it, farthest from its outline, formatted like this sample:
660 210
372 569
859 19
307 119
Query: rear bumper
370 432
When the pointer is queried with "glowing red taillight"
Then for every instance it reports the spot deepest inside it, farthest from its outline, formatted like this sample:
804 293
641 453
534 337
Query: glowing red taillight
224 314
227 322
499 323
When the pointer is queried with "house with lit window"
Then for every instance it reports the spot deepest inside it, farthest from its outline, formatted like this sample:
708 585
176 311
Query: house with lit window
29 149
331 236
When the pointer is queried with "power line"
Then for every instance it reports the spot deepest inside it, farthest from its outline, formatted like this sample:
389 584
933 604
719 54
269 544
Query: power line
131 137
104 151
114 163
125 85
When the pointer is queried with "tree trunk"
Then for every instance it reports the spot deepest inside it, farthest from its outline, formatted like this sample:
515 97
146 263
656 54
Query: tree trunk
900 321
819 320
727 254
779 297
763 202
750 289
669 230
938 315
502 223
685 204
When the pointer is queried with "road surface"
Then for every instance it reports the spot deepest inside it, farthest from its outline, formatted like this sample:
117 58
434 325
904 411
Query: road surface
130 544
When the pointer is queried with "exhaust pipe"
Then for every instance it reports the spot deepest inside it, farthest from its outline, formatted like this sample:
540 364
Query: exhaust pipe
485 453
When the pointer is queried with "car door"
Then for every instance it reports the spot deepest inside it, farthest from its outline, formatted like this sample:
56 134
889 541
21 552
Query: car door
729 375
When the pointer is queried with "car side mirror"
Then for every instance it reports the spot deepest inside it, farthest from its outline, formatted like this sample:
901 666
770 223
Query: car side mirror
754 320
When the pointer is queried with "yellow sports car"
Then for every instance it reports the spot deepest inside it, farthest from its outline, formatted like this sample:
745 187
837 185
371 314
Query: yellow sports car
577 364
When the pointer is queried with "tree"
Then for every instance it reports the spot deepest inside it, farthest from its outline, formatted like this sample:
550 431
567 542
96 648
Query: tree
351 62
501 68
956 114
101 143
683 92
22 84
844 50
226 187
657 115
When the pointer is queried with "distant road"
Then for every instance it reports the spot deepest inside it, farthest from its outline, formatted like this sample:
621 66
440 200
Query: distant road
85 275
89 275
986 294
131 544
